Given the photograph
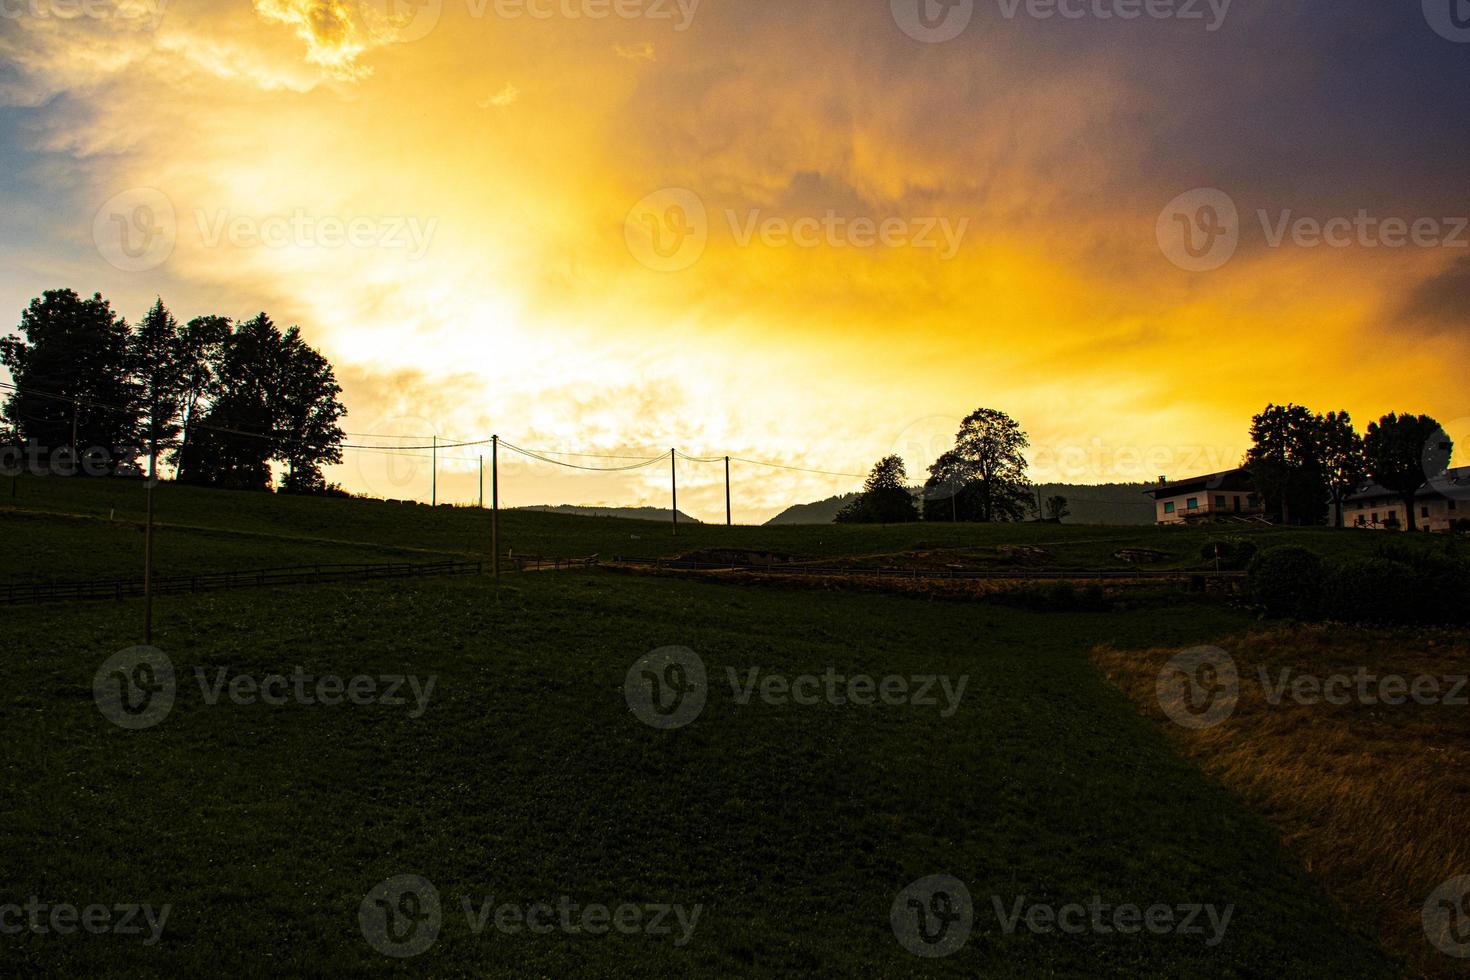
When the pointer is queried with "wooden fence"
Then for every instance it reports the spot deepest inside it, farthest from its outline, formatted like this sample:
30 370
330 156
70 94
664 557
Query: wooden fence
118 589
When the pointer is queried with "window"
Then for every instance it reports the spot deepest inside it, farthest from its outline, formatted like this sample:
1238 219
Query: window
1253 501
1220 500
1452 503
1169 507
1423 511
1375 517
1192 503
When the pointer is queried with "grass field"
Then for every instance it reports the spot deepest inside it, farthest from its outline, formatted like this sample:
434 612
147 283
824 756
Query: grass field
527 777
283 530
1371 795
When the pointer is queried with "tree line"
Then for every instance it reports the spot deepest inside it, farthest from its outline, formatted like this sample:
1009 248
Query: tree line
982 479
1302 464
220 400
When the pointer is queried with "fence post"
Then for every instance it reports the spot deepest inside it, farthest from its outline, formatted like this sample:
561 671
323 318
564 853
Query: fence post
495 505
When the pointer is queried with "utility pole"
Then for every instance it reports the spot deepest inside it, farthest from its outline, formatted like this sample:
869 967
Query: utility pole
482 481
148 543
674 485
727 491
495 505
434 476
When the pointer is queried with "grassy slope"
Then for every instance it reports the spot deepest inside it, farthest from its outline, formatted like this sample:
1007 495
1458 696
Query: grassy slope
528 779
1372 796
331 523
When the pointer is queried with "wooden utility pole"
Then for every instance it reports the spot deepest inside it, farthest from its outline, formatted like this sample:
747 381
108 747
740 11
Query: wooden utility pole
674 485
74 410
727 491
495 505
434 476
482 481
148 545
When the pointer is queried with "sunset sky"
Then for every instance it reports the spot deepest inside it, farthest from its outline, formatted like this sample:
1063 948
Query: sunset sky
579 223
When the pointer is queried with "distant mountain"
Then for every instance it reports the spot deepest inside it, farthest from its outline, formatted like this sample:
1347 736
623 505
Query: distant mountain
630 513
1108 503
820 512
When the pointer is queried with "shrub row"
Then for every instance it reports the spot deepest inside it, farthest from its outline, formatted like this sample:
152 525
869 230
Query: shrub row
1394 586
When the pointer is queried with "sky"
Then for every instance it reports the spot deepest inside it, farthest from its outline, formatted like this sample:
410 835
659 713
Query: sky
810 233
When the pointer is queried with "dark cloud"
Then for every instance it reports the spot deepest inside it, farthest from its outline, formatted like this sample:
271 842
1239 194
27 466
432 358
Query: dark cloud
1441 302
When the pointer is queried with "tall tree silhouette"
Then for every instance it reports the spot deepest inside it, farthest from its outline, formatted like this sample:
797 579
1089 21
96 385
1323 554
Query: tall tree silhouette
1405 452
886 497
984 477
153 356
307 416
1285 463
1344 467
200 348
73 366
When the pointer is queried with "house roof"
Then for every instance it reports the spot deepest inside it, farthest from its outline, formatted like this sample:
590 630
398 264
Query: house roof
1453 482
1236 479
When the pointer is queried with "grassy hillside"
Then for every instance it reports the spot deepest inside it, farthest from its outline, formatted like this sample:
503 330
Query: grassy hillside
266 530
1111 503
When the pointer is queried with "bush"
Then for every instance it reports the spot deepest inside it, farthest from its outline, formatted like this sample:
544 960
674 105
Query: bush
1058 597
1286 581
1374 590
1235 553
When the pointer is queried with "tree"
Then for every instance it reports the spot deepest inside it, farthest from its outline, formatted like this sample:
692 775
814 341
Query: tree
886 497
1056 508
234 444
1343 465
76 392
985 473
1285 463
200 348
308 415
153 356
1404 452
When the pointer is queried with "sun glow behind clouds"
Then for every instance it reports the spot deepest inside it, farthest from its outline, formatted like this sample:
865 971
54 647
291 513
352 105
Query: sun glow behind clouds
493 288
